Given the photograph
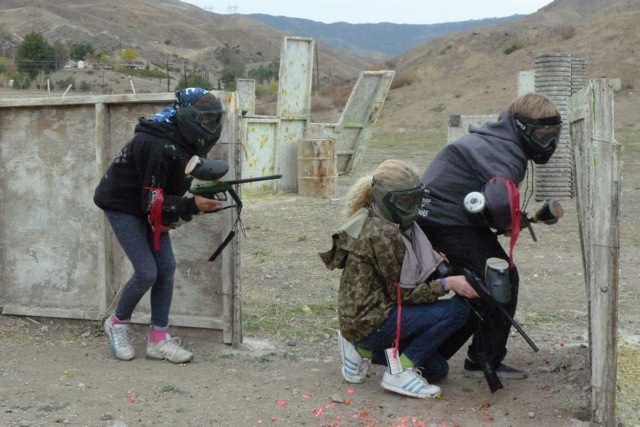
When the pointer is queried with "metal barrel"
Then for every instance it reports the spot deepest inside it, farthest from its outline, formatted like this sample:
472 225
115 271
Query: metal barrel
317 168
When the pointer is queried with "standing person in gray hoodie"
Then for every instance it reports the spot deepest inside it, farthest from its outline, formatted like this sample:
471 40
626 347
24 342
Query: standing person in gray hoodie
491 159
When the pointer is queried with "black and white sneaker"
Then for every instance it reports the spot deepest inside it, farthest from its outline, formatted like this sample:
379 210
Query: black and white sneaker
473 370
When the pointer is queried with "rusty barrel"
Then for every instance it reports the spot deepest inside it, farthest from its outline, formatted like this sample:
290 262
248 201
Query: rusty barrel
317 168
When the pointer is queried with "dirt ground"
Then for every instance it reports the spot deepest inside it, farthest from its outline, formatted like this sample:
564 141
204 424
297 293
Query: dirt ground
287 372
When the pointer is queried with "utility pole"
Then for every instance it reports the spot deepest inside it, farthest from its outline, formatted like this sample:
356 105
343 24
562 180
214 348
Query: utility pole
168 76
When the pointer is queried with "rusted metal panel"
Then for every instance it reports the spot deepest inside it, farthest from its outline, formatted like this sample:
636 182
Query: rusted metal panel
260 157
295 78
246 89
294 105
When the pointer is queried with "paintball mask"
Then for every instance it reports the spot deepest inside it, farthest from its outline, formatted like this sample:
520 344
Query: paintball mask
399 203
540 136
201 123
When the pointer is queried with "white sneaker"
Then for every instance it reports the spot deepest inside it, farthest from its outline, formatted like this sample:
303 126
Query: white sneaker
118 340
170 350
354 367
410 383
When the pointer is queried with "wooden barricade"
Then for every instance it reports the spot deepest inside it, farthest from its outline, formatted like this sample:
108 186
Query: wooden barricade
598 190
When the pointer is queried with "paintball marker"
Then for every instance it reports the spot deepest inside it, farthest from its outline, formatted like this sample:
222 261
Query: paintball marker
549 213
210 171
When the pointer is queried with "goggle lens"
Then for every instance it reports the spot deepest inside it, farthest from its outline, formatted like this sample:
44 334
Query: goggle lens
407 200
546 135
211 120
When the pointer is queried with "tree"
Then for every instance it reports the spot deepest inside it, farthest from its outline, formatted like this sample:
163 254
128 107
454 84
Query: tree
229 77
264 74
128 54
22 80
7 67
35 54
194 80
80 51
62 53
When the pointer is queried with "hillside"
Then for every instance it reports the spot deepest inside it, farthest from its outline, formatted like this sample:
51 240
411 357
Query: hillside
162 32
469 73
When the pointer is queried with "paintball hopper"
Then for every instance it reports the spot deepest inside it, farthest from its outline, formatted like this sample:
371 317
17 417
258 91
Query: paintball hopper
496 275
206 169
549 213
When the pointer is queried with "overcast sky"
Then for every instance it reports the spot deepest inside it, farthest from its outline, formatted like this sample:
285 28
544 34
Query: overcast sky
375 11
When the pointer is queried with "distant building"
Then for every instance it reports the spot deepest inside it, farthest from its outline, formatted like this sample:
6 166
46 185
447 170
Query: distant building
136 65
71 64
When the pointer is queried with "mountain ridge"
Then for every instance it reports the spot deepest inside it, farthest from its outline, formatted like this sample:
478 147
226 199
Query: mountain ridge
365 39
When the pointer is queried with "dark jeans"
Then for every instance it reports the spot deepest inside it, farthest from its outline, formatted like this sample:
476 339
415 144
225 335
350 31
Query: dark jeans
153 270
423 329
470 247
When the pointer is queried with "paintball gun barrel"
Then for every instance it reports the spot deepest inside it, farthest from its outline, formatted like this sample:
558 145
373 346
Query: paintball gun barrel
209 172
216 189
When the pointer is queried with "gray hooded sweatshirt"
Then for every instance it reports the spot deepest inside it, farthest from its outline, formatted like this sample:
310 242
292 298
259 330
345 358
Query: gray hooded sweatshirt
466 165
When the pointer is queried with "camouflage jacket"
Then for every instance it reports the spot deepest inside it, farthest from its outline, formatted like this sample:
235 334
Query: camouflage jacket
371 265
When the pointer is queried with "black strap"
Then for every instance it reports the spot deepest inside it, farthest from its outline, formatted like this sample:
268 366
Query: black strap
224 244
232 233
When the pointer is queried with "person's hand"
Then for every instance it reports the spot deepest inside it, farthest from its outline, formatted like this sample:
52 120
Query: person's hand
167 228
460 286
207 205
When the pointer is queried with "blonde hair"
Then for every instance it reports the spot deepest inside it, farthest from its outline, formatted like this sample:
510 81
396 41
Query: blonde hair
534 106
390 172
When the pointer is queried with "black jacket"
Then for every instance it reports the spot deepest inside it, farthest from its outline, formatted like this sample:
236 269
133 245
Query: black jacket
155 158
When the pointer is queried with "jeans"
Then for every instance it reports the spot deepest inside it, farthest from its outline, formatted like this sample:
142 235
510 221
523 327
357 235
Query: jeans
423 329
152 269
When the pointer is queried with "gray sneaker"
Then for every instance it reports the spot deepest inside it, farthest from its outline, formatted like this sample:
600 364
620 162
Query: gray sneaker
118 340
170 350
354 367
410 383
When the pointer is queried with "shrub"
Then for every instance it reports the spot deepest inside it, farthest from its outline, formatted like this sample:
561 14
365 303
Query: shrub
513 46
567 32
402 79
64 84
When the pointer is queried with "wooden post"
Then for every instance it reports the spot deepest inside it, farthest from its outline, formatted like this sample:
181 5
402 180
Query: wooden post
598 182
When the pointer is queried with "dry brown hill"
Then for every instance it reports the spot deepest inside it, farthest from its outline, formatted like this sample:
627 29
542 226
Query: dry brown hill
469 72
160 31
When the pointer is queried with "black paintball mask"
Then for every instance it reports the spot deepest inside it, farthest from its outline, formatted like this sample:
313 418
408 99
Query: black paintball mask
201 123
399 203
540 136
